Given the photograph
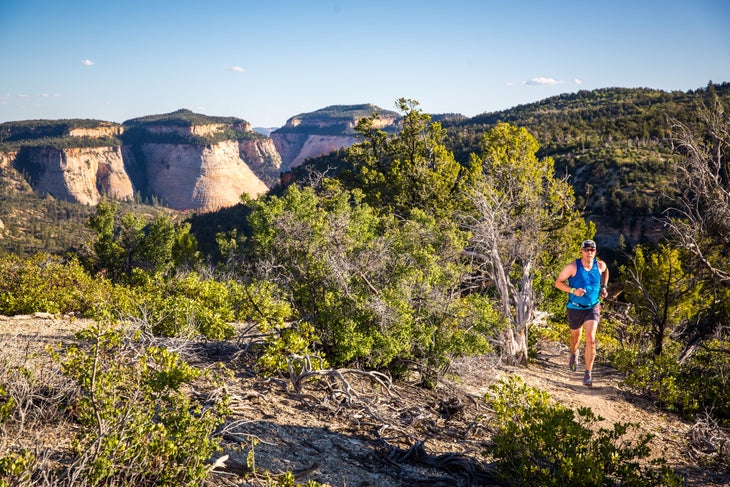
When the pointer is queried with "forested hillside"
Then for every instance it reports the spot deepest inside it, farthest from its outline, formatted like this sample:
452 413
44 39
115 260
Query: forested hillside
614 144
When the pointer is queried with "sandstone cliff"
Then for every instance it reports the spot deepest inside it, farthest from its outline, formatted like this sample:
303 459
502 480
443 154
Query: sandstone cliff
11 182
187 160
192 161
101 131
317 133
80 174
261 156
204 178
317 145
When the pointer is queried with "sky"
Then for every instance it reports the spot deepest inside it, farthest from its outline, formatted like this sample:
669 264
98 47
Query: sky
267 60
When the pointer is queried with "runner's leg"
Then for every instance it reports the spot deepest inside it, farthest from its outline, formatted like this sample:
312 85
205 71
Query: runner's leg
574 340
591 326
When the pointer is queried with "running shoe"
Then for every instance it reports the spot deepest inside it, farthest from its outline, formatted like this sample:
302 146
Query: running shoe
572 364
587 379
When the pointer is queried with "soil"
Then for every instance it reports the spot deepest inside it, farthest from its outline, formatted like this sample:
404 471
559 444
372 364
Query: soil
355 429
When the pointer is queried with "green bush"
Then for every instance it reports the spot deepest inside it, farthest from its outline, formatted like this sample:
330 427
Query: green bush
285 341
169 306
700 384
541 443
380 291
182 306
7 404
138 425
260 301
15 468
45 283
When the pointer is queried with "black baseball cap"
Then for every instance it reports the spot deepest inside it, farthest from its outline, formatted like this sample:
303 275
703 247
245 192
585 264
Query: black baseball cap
588 244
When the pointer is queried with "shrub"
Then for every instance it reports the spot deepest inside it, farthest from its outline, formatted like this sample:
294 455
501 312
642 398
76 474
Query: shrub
15 468
540 443
700 384
7 404
379 291
45 283
174 307
260 301
286 341
137 423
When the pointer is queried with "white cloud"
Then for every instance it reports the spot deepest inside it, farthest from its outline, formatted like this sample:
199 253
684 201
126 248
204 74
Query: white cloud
237 69
541 80
87 62
578 81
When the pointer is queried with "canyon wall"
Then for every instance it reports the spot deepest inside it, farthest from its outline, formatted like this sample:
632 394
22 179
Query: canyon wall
314 134
184 160
197 167
205 178
81 175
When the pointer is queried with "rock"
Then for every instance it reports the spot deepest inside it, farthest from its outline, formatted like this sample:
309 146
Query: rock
78 174
204 178
261 156
313 134
185 160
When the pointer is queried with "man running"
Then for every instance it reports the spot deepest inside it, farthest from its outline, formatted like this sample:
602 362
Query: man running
585 281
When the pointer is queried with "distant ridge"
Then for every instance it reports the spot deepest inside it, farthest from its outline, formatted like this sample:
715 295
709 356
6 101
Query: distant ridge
183 117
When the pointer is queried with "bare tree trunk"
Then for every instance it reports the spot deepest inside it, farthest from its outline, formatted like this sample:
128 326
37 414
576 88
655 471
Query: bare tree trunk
514 347
518 307
524 305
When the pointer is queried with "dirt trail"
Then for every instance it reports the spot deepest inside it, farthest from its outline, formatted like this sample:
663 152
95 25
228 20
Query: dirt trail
607 398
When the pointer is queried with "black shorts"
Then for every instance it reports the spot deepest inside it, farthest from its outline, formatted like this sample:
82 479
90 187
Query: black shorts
576 317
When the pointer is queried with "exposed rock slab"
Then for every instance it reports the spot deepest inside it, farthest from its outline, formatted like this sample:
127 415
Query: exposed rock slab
205 178
314 134
81 174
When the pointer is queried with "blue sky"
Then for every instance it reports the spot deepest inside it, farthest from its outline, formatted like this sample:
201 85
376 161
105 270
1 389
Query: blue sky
267 60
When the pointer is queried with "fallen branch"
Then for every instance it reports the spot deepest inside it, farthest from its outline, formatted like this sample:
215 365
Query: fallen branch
338 389
477 472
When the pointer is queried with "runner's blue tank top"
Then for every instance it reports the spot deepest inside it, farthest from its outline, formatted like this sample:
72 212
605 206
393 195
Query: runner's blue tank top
588 280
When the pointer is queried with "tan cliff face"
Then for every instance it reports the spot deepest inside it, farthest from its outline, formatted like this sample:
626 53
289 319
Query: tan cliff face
295 148
187 177
185 160
12 182
82 175
202 130
204 178
314 134
288 145
101 131
262 157
318 145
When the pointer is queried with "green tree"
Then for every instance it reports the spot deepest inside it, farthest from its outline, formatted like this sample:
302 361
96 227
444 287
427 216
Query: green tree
662 292
700 223
108 255
409 170
185 253
155 246
523 225
130 237
379 290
